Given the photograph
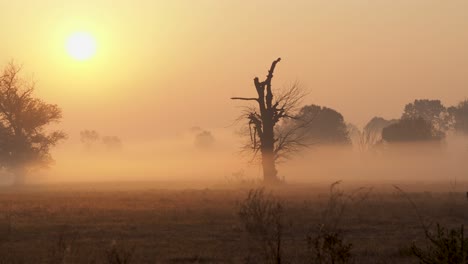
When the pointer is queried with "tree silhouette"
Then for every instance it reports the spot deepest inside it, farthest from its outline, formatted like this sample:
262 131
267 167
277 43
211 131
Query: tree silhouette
112 143
371 134
411 130
204 139
432 111
460 116
89 138
321 125
93 141
24 142
375 126
263 118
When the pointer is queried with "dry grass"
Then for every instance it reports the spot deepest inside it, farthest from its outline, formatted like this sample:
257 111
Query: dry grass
202 226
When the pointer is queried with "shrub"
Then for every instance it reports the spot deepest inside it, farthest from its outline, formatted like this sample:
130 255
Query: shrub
326 243
262 217
446 246
120 254
329 247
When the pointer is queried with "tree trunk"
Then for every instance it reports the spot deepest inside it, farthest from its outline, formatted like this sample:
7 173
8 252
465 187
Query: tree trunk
270 174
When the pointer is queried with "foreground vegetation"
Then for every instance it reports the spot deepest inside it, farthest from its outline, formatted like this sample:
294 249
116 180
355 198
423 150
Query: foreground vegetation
313 224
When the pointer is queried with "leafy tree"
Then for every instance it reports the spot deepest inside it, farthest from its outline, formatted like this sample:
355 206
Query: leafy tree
112 142
411 130
321 125
263 119
89 138
460 116
24 142
432 111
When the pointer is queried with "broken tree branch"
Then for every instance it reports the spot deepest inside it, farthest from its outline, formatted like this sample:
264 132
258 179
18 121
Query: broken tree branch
244 98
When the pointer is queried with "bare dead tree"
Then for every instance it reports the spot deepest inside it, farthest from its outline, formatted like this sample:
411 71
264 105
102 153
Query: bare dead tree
266 137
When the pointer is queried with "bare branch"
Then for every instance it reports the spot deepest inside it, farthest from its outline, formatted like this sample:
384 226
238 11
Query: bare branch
290 99
245 99
291 139
272 69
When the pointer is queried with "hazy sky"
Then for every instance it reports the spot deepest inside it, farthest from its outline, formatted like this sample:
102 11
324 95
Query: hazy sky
169 65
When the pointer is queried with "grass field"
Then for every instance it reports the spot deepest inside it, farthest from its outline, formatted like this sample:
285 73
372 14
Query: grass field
152 223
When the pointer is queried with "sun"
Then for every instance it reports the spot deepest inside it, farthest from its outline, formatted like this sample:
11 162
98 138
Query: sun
81 46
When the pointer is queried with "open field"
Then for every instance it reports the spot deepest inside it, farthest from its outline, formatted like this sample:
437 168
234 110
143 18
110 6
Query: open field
163 224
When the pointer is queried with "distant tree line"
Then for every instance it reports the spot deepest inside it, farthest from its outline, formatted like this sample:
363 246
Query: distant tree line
91 140
423 120
278 126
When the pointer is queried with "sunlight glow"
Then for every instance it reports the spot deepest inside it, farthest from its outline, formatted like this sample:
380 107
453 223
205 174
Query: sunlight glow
81 46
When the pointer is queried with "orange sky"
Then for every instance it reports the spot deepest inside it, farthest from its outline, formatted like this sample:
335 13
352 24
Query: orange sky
165 66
